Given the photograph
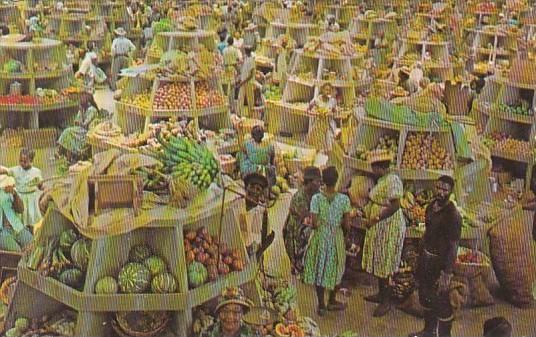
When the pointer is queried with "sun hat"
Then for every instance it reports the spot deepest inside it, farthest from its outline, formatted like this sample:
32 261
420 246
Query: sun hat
233 295
120 31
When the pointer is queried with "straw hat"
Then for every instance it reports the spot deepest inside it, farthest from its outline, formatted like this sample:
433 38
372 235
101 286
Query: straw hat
120 31
379 157
6 181
233 295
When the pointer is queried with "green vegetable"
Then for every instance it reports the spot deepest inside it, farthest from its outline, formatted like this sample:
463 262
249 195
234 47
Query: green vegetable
197 274
134 278
164 283
67 239
156 265
106 285
22 324
80 253
72 277
139 253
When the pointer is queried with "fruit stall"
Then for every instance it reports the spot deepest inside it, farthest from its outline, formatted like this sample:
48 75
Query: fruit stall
432 53
202 14
367 28
344 14
264 13
298 31
181 41
33 8
332 60
35 83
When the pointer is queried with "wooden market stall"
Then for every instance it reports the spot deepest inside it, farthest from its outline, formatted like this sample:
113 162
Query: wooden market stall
433 55
10 15
179 40
365 30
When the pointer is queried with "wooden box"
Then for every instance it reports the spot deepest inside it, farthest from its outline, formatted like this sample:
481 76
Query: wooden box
115 191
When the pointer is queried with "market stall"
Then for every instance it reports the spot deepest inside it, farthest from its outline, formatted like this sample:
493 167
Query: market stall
10 15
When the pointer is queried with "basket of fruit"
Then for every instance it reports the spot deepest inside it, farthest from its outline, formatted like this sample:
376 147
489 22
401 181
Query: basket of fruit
140 323
470 263
296 162
227 163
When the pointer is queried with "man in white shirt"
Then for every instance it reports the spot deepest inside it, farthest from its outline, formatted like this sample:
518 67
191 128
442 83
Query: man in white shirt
88 70
121 49
246 93
416 75
232 57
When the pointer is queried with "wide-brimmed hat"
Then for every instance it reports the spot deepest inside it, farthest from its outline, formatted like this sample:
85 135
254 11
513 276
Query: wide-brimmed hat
120 31
6 181
256 177
233 295
379 157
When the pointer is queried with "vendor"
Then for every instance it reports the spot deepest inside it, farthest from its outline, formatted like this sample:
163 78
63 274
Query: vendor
384 240
28 179
232 307
322 131
281 64
122 48
331 24
325 258
246 91
14 236
296 233
258 155
73 140
436 262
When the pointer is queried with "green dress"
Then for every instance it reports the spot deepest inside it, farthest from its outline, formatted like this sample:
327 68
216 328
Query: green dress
326 255
295 234
384 241
256 158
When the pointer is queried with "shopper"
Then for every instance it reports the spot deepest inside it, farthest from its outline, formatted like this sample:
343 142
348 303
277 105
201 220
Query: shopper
386 231
14 236
296 232
88 70
222 35
246 93
122 47
281 64
436 261
232 307
325 257
28 180
322 131
497 327
258 155
232 57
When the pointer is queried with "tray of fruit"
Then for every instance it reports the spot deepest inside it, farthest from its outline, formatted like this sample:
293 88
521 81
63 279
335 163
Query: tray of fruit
471 262
423 151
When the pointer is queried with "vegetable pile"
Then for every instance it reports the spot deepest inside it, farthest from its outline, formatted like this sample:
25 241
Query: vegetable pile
62 323
424 152
386 144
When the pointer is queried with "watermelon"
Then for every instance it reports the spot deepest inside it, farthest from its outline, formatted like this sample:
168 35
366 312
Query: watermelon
67 239
139 253
197 274
134 278
156 265
106 285
80 253
164 283
72 277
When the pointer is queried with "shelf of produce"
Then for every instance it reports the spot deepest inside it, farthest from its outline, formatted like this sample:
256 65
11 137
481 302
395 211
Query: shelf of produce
406 174
510 116
357 164
38 107
16 76
519 157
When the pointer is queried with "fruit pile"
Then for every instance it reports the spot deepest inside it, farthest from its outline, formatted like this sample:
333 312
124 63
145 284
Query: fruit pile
386 144
422 151
202 259
62 323
166 128
519 109
173 96
273 92
470 256
141 100
202 323
144 271
290 330
281 186
153 179
64 257
206 97
31 100
414 206
502 141
486 7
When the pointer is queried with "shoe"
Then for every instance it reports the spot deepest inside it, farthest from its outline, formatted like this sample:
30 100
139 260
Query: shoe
376 298
321 312
336 306
382 309
443 328
430 326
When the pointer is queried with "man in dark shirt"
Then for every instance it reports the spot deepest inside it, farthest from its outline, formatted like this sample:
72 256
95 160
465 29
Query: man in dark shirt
436 262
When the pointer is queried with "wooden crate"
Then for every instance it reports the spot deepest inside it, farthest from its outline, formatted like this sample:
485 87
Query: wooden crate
103 192
8 264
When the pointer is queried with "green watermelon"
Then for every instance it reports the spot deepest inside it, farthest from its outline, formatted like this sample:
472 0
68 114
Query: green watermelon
72 277
106 285
139 253
164 283
67 239
156 265
80 253
197 274
134 278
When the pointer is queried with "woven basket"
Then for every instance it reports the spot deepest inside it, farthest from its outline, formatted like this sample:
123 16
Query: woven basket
471 270
228 167
123 330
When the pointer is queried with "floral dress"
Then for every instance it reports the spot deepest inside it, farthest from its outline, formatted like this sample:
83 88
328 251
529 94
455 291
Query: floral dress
295 234
384 241
26 183
325 257
322 130
256 157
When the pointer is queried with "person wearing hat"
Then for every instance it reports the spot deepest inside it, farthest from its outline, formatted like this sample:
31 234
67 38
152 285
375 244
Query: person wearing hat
258 155
325 258
296 233
231 308
232 57
281 64
88 70
497 327
121 49
436 262
246 91
14 235
323 128
331 24
251 36
384 240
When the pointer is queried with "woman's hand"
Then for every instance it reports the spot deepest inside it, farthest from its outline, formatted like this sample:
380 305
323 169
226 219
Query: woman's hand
10 189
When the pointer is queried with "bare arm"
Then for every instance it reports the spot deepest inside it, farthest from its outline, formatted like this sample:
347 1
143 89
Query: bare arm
385 213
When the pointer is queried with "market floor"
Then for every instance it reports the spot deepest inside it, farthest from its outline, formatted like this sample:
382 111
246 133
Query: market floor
358 315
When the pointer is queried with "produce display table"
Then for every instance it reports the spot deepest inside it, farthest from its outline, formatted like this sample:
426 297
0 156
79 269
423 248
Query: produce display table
10 15
299 32
365 30
183 40
434 56
343 14
30 66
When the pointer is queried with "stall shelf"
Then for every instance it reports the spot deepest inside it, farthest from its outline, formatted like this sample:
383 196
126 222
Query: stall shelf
365 31
10 15
180 40
433 55
299 32
35 65
165 236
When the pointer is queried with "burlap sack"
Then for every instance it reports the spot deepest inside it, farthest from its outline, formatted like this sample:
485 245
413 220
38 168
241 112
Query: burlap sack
513 258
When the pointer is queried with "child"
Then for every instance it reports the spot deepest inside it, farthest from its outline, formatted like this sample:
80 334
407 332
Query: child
28 181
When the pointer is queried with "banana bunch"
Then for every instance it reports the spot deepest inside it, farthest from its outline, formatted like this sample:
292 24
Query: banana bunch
285 299
408 201
181 192
48 258
202 323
